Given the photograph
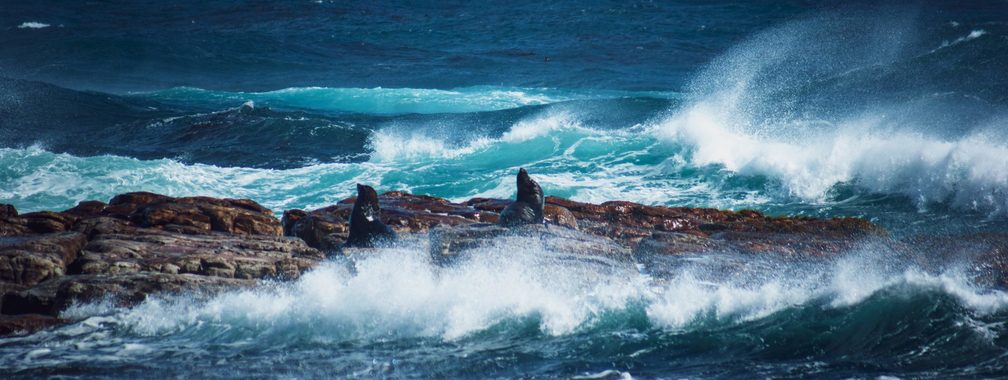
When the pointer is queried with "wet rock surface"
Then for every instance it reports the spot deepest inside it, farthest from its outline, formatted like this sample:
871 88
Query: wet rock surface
140 244
135 245
639 228
449 244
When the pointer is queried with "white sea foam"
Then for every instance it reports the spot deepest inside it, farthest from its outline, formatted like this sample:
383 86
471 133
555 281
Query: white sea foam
33 25
742 118
968 171
35 179
539 126
399 293
974 34
389 145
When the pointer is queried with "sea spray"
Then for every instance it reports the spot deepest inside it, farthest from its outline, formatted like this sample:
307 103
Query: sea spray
553 304
784 104
399 292
894 114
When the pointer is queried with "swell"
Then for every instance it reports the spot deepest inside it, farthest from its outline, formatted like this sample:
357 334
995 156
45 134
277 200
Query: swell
383 101
908 118
662 163
279 130
242 134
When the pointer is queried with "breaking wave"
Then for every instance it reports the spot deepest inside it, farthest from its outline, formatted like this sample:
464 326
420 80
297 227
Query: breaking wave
829 101
524 292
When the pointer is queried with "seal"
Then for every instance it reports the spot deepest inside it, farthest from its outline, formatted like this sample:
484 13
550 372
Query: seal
366 227
528 207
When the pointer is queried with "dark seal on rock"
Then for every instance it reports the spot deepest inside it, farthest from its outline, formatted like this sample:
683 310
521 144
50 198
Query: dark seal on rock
528 207
366 227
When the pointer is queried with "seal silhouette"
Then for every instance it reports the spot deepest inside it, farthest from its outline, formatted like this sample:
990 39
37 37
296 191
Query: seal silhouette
528 207
366 227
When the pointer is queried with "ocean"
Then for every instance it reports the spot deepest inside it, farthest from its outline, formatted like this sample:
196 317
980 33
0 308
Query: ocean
897 114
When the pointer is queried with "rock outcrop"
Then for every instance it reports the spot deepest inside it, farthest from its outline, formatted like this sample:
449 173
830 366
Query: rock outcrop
141 243
327 228
137 244
642 229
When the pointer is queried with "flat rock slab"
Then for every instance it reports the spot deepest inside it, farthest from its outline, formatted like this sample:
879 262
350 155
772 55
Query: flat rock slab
28 260
136 245
116 248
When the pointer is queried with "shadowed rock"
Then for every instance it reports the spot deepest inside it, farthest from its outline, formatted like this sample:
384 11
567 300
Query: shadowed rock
26 323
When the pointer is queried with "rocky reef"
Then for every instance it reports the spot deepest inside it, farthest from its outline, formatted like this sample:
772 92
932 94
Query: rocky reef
135 245
139 244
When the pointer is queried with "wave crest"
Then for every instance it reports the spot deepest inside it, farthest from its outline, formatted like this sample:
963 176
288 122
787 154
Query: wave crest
824 102
398 293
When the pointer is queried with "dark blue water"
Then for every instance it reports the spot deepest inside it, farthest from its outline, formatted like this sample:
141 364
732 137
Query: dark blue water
896 113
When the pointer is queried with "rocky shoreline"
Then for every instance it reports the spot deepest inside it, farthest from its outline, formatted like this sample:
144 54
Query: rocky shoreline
141 243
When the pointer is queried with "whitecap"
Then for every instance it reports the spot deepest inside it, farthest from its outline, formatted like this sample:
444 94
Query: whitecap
33 25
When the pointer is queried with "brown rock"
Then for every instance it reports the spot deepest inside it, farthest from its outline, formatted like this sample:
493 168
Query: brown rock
143 243
47 221
327 228
14 226
27 323
560 216
122 205
123 249
172 214
191 215
28 260
322 229
631 222
87 209
7 211
138 244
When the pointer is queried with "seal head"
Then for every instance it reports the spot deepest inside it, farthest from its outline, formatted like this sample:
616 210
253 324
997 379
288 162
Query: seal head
366 227
528 207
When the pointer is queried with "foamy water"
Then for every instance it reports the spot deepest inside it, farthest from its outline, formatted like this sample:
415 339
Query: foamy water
399 293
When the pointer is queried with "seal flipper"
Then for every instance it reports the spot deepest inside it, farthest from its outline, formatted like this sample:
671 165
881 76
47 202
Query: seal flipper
366 227
528 205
